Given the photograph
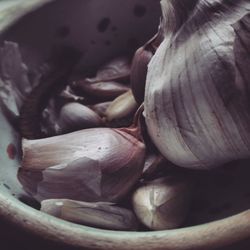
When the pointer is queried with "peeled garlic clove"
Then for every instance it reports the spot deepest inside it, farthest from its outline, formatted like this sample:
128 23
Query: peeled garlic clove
118 69
99 164
121 107
102 90
162 203
196 99
75 116
100 215
100 108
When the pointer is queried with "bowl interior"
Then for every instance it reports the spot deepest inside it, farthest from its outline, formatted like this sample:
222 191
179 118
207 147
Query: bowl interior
101 30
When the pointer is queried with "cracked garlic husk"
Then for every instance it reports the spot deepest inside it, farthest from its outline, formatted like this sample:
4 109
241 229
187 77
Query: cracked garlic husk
196 98
97 164
100 214
163 203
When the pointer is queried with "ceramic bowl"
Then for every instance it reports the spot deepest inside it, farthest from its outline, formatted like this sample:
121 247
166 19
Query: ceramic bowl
100 30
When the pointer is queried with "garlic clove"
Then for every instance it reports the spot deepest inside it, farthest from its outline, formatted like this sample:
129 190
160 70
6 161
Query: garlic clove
123 106
163 203
100 108
140 63
139 70
75 116
102 90
100 215
53 207
72 165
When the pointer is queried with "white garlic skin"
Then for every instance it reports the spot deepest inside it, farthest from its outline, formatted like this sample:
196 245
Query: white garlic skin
163 203
196 102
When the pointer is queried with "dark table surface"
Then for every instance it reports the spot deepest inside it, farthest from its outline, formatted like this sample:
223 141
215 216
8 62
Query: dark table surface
12 238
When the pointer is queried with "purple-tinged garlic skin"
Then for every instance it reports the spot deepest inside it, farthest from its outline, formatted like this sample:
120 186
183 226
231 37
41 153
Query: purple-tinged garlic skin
75 116
103 90
98 164
139 68
108 82
139 71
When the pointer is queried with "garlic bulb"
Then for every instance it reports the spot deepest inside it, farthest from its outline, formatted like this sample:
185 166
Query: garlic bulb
101 214
162 203
98 164
74 116
196 98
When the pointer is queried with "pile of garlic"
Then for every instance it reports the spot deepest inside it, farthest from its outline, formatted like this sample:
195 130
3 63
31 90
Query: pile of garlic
87 162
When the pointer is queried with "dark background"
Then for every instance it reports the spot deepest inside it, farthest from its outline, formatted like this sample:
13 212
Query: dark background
12 238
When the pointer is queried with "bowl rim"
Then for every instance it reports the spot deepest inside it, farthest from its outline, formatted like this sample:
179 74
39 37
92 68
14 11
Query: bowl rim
210 235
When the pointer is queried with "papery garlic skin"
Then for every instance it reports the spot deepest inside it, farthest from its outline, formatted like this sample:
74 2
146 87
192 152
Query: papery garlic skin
163 203
75 116
99 214
99 164
196 100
